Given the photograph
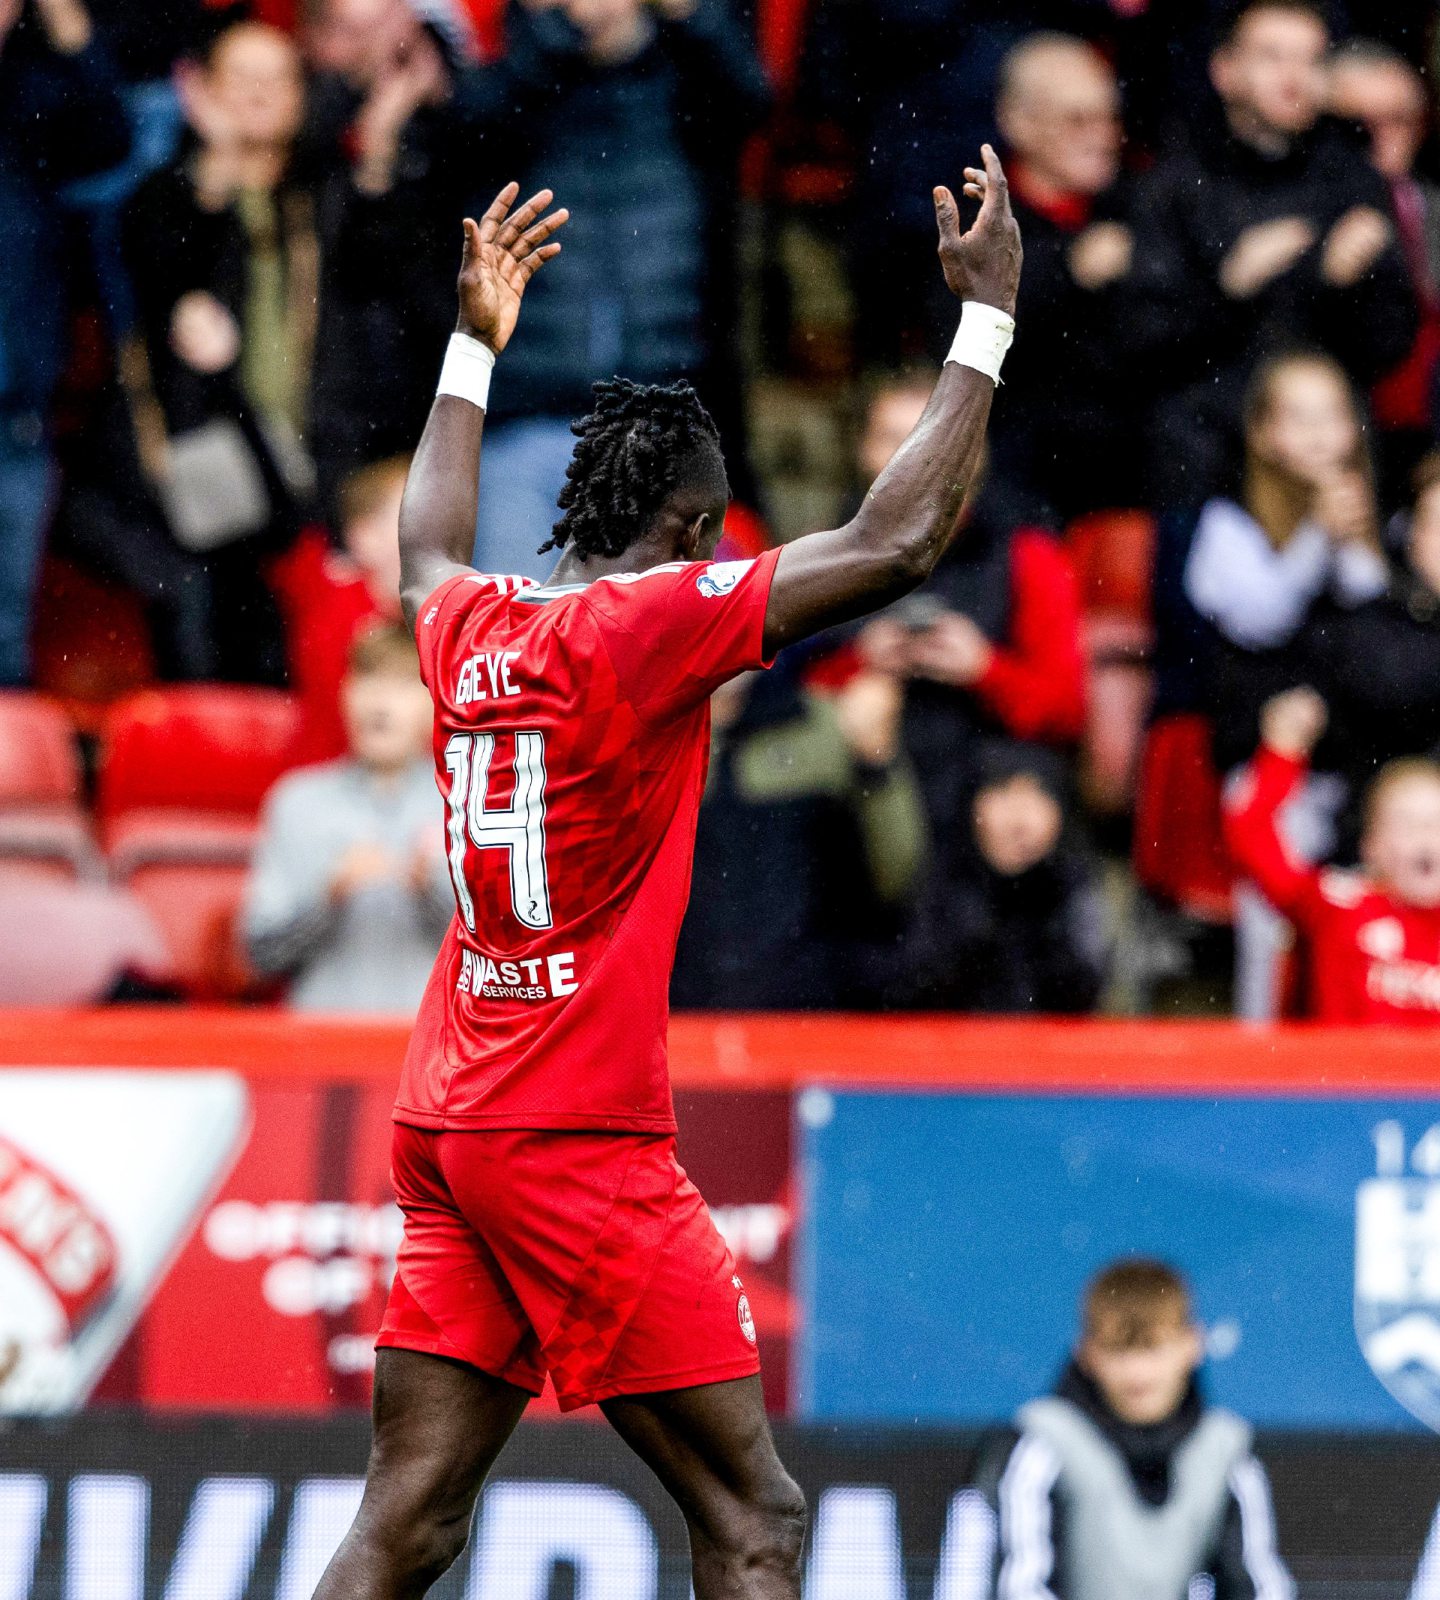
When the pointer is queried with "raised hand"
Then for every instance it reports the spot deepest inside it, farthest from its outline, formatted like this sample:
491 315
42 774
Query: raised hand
502 253
982 263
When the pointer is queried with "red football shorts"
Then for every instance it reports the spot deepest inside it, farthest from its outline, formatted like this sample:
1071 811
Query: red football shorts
587 1255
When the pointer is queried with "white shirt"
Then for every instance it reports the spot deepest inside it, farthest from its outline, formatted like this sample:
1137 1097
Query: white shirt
1258 596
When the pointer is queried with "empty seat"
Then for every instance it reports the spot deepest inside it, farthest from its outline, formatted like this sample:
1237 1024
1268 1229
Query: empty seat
1179 849
204 748
1114 556
44 827
79 941
189 869
52 841
91 641
195 906
39 764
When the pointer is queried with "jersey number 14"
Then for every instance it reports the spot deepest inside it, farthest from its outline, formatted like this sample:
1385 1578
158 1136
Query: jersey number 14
518 828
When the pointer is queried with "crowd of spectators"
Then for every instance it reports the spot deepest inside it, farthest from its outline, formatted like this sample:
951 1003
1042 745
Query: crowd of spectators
227 248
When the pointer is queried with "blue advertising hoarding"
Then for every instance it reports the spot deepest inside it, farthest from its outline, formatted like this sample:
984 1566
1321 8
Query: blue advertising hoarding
947 1239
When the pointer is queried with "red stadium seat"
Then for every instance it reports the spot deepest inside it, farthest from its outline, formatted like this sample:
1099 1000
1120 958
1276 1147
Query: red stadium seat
206 748
91 642
1114 556
1113 553
79 941
195 906
39 764
188 869
44 828
1179 850
48 841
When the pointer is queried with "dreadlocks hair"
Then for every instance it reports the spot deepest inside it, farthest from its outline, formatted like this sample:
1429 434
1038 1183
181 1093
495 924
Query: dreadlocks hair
639 443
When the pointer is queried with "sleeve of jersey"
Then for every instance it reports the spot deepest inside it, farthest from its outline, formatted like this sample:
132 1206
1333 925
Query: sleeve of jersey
1252 807
675 633
440 619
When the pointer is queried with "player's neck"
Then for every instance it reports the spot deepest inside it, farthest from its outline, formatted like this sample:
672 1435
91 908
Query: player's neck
644 553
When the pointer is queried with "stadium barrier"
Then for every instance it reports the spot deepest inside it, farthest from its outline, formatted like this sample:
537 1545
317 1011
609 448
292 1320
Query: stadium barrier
125 1508
196 1234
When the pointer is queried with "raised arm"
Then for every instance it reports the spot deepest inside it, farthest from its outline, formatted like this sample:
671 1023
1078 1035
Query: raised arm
437 515
911 514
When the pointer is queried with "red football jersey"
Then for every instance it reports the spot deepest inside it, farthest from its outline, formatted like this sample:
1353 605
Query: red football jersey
572 731
1370 957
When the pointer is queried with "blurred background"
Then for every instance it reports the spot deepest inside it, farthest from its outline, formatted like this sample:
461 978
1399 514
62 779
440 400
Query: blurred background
982 885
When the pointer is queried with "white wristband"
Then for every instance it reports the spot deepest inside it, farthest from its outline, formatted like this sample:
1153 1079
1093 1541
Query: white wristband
466 373
983 338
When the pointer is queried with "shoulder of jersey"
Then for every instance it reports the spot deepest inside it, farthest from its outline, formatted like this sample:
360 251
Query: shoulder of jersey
538 596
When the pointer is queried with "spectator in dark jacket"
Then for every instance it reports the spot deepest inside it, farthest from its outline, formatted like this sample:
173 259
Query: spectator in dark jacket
1067 425
635 113
60 117
811 838
1377 664
1011 918
390 189
1271 229
990 646
1124 1484
222 251
1374 86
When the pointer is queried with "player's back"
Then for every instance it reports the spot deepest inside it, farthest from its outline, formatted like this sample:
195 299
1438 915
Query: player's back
571 738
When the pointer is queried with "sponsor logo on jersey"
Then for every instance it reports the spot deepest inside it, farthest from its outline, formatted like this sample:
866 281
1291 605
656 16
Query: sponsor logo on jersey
720 577
1397 1268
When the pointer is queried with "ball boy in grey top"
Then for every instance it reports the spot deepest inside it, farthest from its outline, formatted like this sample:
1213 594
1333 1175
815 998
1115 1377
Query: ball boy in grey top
1124 1484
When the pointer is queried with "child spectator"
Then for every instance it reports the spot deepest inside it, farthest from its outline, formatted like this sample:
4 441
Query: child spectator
812 835
1370 939
350 893
1012 919
1124 1484
329 597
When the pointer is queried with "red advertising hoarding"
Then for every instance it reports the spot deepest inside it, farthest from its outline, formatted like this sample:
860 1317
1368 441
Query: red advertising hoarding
195 1210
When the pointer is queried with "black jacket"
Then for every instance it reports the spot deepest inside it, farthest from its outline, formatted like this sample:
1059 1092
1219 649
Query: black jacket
1378 668
788 869
644 153
1190 211
1001 945
61 117
1066 422
1033 1511
983 941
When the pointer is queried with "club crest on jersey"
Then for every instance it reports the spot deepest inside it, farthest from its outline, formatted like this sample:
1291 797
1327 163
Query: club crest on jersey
747 1321
1397 1268
720 577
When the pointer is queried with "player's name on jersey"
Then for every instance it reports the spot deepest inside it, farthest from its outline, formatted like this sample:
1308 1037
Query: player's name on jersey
535 978
486 677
